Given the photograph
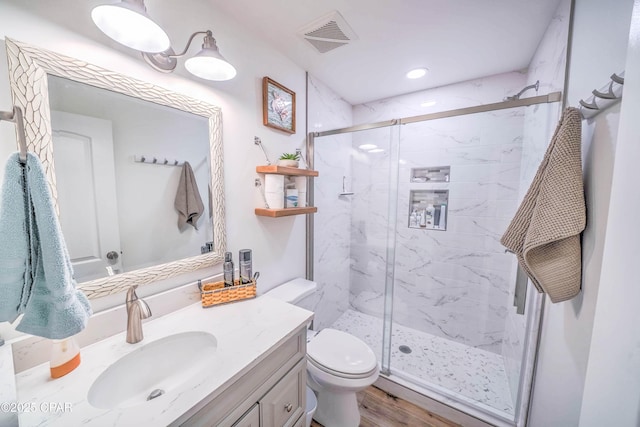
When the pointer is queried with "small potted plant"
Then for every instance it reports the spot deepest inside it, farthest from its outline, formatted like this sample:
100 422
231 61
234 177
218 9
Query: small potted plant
289 160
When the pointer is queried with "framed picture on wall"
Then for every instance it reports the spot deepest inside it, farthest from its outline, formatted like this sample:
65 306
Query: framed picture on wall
278 106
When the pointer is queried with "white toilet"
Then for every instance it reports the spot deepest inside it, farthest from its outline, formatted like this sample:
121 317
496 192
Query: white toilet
338 364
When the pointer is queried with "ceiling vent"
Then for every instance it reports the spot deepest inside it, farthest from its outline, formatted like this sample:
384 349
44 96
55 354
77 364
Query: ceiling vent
328 32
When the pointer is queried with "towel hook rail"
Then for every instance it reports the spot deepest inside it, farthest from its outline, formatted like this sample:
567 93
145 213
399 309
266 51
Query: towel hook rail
603 98
16 117
157 160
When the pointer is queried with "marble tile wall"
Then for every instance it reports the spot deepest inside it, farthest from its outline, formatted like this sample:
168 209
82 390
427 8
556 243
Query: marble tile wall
332 159
547 66
455 283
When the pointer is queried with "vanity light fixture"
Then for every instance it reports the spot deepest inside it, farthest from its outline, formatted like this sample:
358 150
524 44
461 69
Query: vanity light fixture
128 23
428 104
207 64
417 73
367 146
377 150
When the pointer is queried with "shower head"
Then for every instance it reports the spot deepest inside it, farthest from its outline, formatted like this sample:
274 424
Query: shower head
535 86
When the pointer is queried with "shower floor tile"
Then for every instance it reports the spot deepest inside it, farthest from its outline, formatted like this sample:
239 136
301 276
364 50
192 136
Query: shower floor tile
474 373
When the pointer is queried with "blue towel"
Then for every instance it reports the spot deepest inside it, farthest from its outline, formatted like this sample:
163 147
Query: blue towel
36 276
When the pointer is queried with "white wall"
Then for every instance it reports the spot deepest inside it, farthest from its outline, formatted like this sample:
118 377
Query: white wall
278 244
598 49
612 385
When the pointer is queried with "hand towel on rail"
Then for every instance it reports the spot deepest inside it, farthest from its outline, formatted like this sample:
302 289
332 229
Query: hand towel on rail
545 231
16 274
52 306
188 202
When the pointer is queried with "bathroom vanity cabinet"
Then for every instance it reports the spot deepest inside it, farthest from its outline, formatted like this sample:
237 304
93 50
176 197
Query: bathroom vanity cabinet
287 171
270 394
255 376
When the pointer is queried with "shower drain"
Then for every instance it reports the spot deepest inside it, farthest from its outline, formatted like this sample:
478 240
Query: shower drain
155 393
405 349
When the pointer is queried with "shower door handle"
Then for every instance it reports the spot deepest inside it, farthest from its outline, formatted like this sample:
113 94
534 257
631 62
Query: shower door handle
520 293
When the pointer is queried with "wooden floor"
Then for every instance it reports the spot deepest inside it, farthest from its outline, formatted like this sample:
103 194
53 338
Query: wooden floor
380 409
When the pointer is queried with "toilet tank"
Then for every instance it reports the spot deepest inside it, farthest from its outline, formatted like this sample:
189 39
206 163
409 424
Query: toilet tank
293 291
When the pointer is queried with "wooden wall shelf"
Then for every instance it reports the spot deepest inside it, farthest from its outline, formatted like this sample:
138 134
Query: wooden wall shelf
277 213
282 170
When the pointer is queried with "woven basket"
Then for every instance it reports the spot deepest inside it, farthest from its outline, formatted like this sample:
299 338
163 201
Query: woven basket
215 293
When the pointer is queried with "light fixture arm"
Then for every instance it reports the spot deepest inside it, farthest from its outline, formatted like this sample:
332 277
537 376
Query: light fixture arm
166 61
207 39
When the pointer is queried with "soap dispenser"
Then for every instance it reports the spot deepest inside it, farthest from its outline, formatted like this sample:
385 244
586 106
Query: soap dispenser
65 357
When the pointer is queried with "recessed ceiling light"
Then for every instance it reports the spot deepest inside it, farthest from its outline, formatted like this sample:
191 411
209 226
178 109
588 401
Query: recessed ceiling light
367 146
376 150
428 104
417 73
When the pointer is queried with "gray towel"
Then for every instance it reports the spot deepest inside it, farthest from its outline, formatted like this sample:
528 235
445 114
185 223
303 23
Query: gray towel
545 232
36 276
188 202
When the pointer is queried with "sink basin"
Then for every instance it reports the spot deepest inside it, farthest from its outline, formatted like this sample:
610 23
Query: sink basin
154 369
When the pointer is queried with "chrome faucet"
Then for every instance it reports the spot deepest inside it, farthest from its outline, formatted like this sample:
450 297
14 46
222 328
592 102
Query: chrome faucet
137 310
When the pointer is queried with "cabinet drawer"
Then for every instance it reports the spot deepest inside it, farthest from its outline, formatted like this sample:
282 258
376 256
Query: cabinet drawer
250 419
284 403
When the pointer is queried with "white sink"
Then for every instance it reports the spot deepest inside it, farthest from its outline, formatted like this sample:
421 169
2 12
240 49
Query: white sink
158 367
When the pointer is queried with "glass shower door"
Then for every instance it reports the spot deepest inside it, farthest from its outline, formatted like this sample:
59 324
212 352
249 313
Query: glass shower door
358 170
457 190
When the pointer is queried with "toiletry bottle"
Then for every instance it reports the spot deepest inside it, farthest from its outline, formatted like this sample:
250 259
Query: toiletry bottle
65 357
423 218
245 266
413 219
429 214
228 270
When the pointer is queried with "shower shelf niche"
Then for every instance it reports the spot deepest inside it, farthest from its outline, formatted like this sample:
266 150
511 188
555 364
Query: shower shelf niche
282 170
428 209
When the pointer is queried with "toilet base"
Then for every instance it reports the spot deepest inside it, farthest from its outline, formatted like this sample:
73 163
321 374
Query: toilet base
337 409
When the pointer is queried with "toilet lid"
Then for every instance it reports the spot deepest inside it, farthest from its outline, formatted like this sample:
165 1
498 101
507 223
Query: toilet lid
341 352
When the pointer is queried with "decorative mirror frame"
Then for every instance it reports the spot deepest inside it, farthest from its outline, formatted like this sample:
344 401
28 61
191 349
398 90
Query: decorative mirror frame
28 70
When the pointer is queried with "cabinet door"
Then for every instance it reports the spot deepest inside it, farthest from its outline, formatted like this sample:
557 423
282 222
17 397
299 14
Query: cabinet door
284 403
250 419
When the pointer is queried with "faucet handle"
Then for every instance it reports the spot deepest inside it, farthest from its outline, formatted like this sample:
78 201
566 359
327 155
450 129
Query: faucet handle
131 294
145 311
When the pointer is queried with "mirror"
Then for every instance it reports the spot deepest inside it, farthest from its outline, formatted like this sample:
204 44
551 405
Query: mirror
116 211
97 134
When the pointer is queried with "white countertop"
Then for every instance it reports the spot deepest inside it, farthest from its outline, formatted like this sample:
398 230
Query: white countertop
246 332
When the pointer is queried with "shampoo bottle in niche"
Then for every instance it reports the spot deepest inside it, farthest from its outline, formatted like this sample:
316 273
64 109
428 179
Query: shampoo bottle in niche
245 265
228 270
429 215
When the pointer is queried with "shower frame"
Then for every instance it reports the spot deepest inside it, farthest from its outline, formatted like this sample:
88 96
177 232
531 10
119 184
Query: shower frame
553 97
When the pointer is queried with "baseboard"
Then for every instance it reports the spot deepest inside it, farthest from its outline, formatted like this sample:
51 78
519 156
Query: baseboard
429 404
